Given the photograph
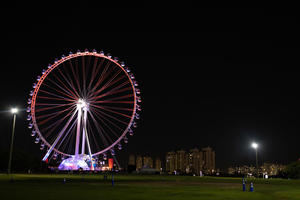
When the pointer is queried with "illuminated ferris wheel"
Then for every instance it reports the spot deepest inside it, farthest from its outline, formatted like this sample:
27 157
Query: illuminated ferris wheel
83 106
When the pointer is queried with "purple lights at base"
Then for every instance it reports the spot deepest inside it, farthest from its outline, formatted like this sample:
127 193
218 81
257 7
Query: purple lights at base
74 163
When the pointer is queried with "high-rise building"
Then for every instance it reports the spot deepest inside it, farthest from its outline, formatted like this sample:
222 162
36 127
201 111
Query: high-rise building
148 162
170 161
193 162
131 160
180 161
158 164
131 163
209 160
139 162
213 161
201 162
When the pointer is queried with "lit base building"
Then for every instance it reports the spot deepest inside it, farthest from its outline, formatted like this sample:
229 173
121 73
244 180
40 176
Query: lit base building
80 162
83 162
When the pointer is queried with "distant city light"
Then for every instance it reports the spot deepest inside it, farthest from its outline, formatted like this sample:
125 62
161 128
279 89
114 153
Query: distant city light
14 110
254 145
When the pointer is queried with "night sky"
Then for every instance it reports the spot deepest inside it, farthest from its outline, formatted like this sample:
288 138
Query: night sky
218 77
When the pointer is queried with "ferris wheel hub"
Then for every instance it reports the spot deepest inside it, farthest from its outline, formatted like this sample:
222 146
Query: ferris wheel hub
82 104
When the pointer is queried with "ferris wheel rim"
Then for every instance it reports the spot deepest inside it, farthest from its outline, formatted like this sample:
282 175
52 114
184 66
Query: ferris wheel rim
56 65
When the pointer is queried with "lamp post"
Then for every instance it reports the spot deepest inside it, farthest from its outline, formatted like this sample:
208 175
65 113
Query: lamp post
14 111
255 146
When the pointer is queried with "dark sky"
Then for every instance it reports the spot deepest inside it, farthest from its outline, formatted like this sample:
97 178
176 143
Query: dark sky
219 77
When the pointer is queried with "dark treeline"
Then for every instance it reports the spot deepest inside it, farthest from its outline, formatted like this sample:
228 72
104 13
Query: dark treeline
21 162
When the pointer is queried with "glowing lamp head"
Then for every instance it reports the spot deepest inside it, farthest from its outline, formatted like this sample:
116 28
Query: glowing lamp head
254 145
14 110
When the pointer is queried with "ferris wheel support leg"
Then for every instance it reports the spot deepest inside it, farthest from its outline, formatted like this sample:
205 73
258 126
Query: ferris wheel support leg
83 138
78 131
87 138
117 162
58 137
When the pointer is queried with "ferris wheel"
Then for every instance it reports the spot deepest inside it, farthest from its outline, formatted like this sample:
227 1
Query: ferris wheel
83 106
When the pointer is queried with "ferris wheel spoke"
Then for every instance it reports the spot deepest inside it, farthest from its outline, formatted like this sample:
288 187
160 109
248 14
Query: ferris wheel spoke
66 89
67 134
85 72
118 108
50 106
51 127
91 134
99 129
67 74
108 127
89 58
101 114
68 145
121 97
75 75
108 115
94 141
117 98
78 75
72 141
102 77
53 114
68 80
108 82
58 137
83 75
121 102
53 98
57 90
118 86
93 74
94 71
55 95
50 118
111 111
98 115
113 91
69 77
114 81
54 125
101 118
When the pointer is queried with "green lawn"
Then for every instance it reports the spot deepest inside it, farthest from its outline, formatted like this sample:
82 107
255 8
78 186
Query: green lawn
143 187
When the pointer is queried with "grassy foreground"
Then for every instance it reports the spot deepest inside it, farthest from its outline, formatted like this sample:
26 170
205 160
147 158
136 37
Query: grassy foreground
143 187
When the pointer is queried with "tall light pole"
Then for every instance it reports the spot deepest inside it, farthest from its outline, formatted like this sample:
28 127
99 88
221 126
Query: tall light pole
255 146
14 111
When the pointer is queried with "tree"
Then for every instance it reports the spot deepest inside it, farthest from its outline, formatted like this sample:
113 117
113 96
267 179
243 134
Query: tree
21 161
293 170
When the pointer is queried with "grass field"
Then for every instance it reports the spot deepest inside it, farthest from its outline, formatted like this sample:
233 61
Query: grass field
142 187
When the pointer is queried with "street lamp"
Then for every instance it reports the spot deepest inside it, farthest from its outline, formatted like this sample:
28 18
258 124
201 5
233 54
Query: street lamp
255 146
13 111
